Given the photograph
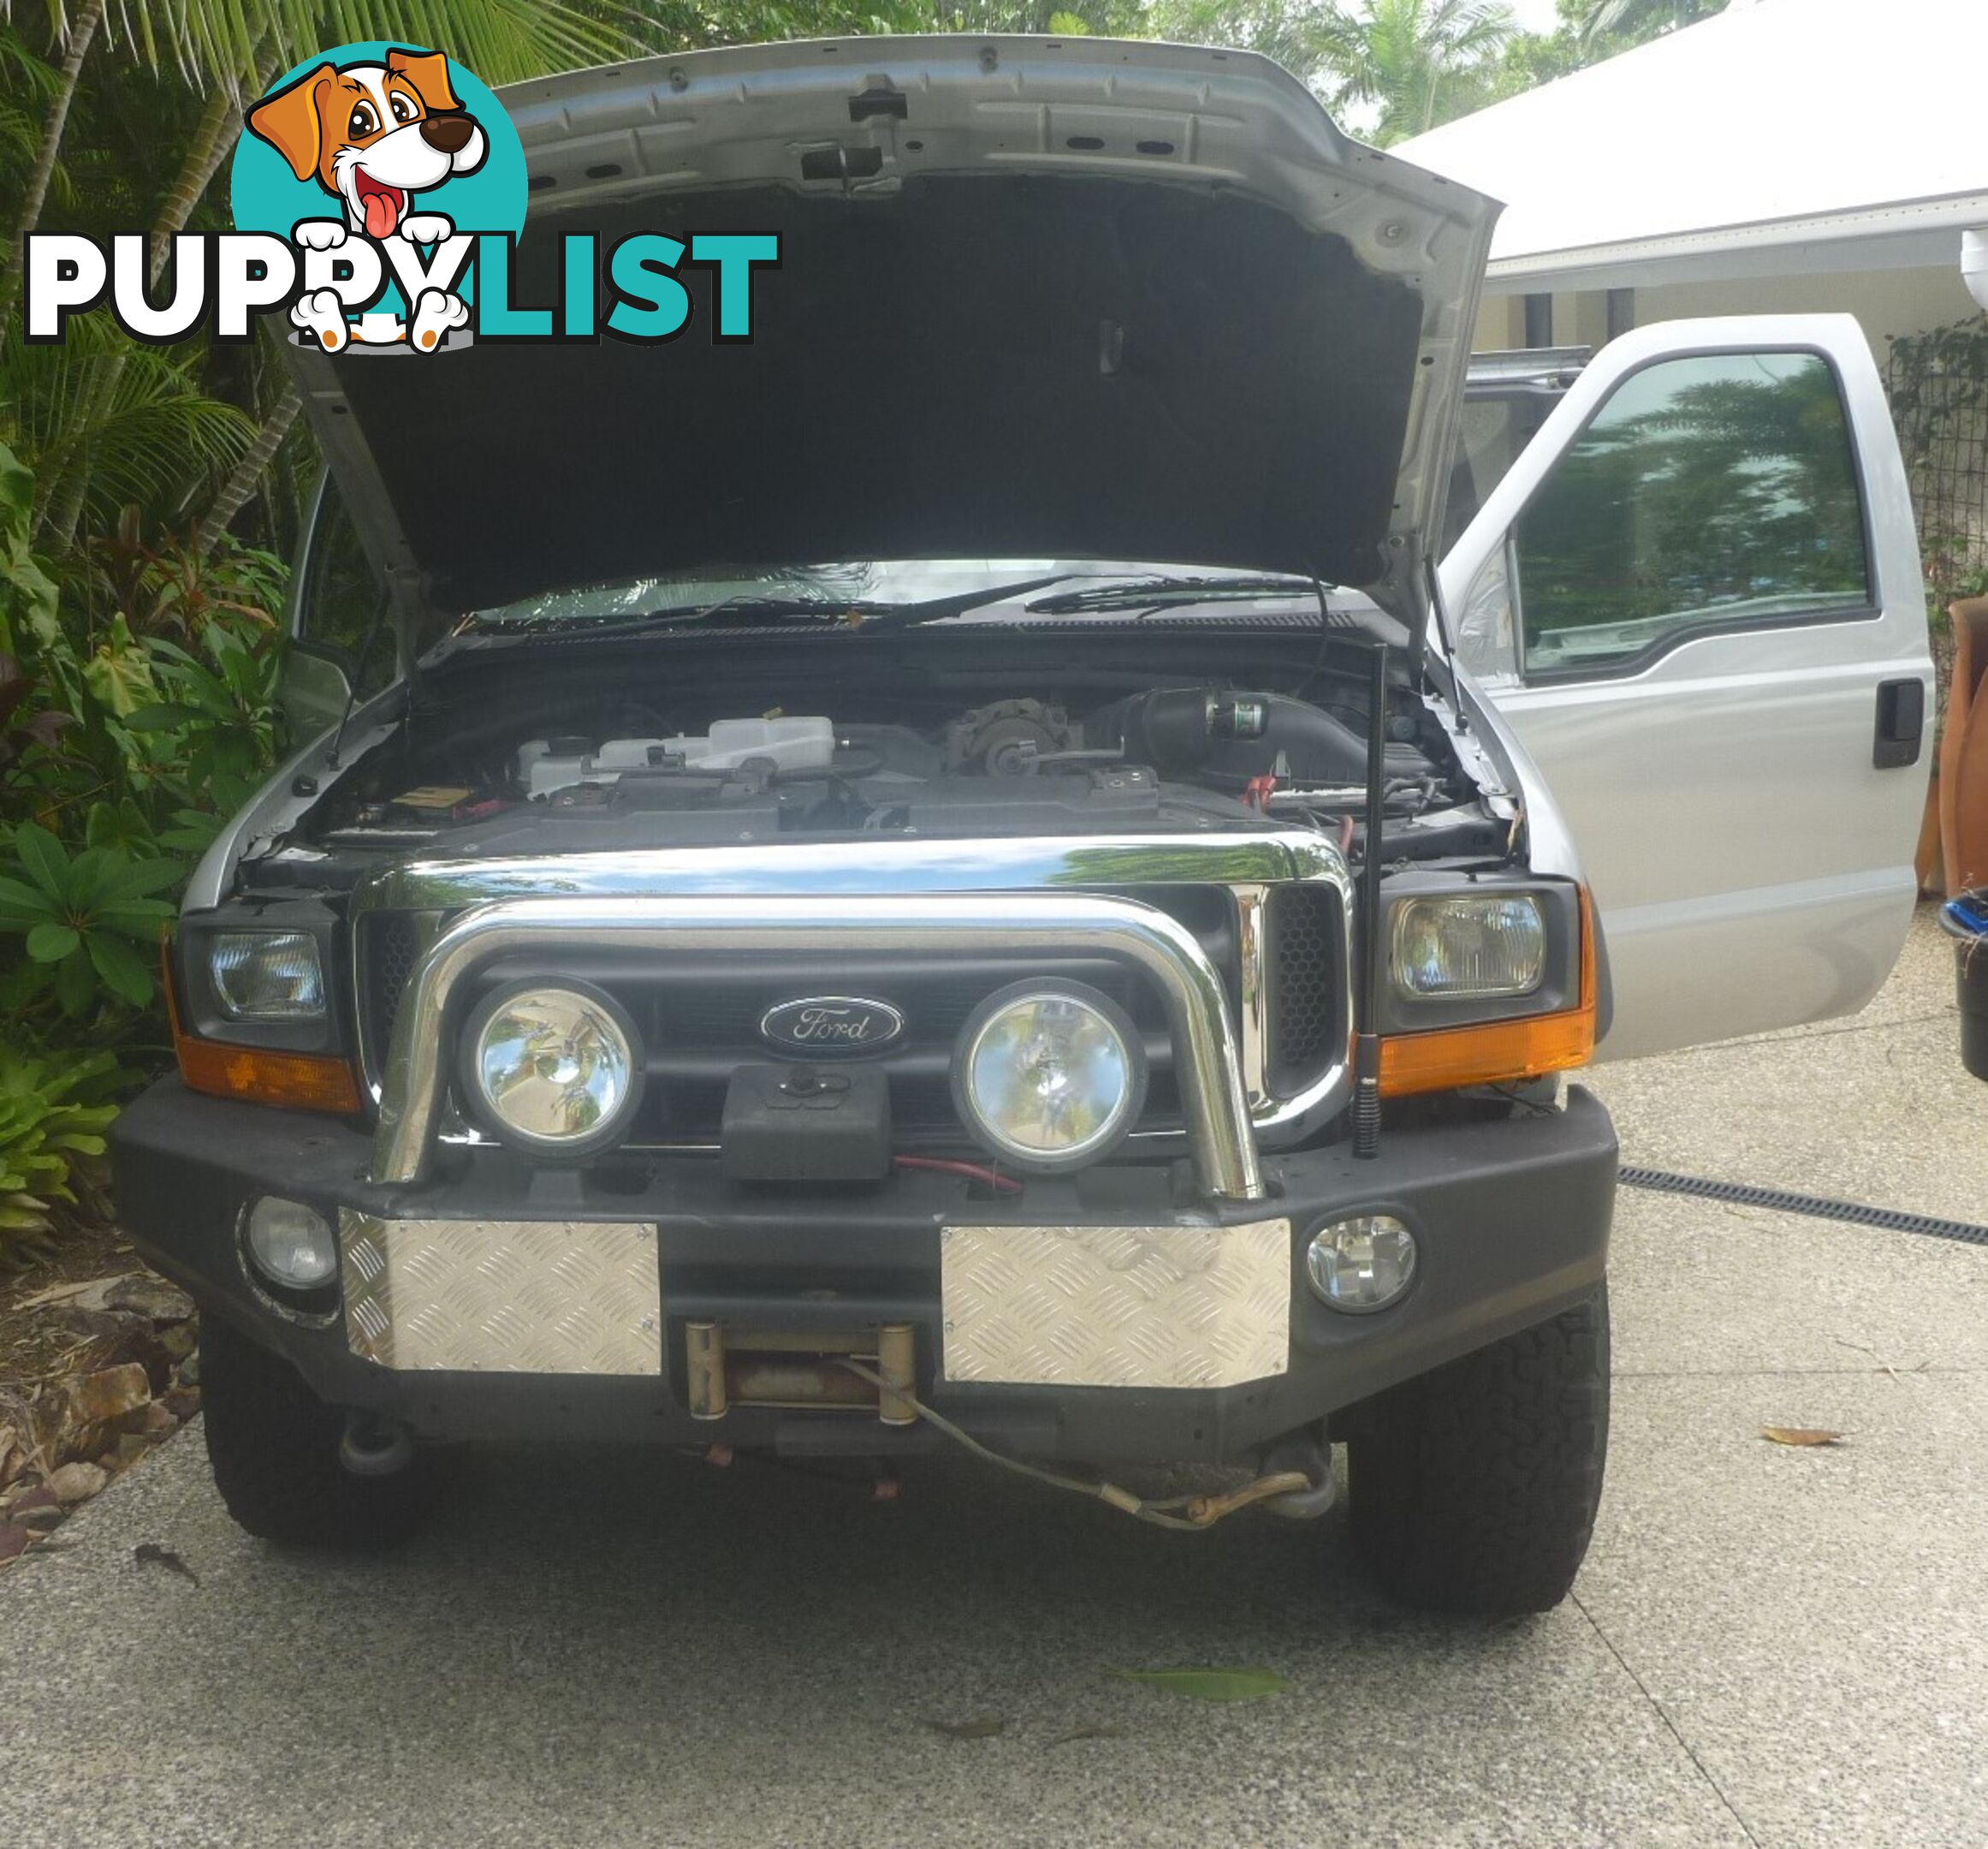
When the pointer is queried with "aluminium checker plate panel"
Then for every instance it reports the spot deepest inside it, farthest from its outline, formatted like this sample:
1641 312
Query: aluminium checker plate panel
514 1296
1116 1306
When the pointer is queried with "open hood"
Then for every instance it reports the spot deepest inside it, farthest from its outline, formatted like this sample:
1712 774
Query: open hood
1067 298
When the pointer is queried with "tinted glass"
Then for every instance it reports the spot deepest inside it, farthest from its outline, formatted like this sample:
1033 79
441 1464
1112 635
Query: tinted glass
1720 488
1497 426
343 599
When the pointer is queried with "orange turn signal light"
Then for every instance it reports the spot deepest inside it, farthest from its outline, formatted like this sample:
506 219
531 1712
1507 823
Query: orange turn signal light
1497 1052
303 1081
299 1081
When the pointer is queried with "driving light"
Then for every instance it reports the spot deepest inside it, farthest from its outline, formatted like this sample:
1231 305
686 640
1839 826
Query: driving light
1469 947
267 975
552 1068
290 1244
1050 1077
1361 1264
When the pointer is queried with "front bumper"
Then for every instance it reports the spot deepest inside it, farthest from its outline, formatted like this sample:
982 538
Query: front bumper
1511 1218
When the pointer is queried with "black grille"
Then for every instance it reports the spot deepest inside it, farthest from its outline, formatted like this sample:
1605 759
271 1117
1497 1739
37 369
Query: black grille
1307 1030
390 948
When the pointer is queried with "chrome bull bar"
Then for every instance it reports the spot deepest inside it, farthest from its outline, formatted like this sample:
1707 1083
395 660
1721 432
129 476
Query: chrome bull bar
1208 1068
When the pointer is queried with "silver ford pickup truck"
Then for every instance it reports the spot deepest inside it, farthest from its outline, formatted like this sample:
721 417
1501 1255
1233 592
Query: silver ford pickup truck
965 873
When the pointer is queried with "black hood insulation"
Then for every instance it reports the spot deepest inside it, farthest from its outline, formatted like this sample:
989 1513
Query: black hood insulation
973 367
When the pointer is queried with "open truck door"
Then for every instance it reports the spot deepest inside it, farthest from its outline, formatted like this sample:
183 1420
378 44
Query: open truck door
1695 598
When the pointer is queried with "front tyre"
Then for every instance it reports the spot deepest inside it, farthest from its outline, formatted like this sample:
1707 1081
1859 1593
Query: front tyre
273 1445
1474 1488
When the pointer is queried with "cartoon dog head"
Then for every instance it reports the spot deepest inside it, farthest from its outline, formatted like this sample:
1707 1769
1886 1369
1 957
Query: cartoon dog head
373 135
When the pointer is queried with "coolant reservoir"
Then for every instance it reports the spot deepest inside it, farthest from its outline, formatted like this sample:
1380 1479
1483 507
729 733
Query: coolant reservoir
789 743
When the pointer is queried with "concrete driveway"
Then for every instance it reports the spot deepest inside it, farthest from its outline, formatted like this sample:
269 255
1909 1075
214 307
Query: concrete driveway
1769 1646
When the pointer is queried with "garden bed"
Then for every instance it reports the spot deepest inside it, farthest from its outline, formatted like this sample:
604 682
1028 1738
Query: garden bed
97 1366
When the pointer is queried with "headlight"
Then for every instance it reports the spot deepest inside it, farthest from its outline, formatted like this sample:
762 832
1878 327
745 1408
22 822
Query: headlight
270 976
1469 947
1050 1076
552 1068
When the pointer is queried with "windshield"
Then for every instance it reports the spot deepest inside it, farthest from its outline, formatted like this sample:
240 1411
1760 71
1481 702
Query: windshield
871 583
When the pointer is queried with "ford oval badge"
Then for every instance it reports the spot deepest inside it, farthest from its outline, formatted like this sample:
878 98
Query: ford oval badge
831 1024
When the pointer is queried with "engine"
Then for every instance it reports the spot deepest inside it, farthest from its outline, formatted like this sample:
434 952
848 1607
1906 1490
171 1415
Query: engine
1185 759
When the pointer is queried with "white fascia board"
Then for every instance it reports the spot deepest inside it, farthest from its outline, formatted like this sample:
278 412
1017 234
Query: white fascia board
1923 233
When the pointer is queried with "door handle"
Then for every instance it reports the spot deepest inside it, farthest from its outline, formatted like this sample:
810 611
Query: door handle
1901 724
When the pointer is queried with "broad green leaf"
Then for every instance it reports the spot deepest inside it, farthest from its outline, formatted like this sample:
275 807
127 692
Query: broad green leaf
120 673
75 984
22 905
42 859
81 1145
50 943
88 872
137 918
1210 1685
138 877
122 969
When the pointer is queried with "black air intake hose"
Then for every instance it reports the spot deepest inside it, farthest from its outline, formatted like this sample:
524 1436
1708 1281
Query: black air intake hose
1184 732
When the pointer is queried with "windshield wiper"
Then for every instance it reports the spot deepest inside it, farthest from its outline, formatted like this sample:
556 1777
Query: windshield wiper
1158 593
748 608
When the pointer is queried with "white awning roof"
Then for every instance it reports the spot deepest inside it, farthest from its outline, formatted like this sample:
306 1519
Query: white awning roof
1783 136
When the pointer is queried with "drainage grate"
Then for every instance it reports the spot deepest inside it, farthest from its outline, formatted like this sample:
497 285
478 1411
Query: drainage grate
1851 1213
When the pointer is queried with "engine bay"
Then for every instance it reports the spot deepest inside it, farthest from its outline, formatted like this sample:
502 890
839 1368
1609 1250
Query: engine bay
1184 757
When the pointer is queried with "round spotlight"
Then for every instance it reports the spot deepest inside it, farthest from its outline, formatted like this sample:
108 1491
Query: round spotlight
1361 1264
552 1069
1049 1077
290 1245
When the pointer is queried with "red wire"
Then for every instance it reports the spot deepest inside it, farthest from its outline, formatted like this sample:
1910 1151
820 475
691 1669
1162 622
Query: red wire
973 1171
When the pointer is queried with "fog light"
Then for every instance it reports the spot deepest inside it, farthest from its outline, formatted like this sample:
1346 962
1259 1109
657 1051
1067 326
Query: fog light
1049 1077
553 1069
290 1244
1362 1264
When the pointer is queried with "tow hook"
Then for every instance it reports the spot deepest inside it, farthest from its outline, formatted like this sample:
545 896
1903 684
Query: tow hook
1316 1463
373 1446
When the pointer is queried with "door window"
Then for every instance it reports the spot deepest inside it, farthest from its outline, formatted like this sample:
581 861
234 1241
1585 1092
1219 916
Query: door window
1719 490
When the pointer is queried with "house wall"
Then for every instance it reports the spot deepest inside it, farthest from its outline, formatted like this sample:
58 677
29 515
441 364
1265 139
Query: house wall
1884 301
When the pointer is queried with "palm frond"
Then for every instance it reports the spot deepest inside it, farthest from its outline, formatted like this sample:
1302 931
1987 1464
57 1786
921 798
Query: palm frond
150 436
502 41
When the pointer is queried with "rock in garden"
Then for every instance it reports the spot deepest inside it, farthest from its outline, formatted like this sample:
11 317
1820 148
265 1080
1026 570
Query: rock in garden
108 1393
76 1482
183 1402
134 1339
190 1370
13 1541
28 1497
105 1326
151 1297
40 1521
156 1421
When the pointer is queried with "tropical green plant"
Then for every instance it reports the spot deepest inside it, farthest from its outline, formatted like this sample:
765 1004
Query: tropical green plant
1638 19
1388 68
86 921
54 1110
1416 62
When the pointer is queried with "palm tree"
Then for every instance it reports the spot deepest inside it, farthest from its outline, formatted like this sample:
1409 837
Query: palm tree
228 47
1421 62
1642 19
